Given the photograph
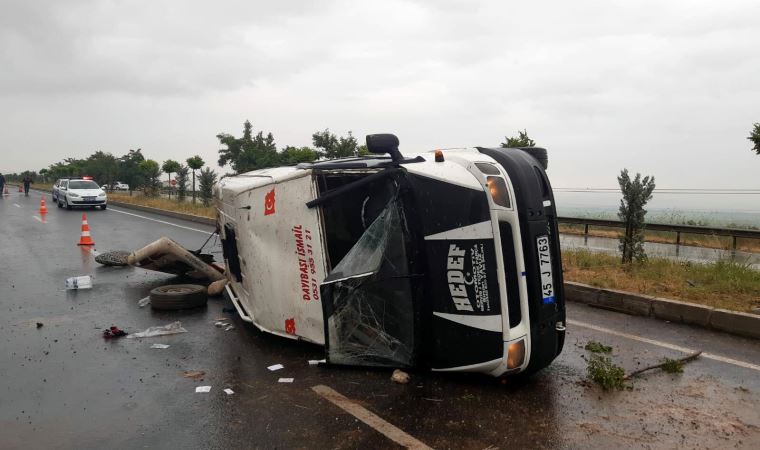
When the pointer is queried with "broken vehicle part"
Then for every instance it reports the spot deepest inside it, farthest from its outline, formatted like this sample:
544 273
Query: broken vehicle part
178 296
165 255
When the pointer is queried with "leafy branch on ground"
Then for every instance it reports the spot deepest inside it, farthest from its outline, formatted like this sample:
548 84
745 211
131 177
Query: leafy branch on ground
609 376
602 371
667 364
597 347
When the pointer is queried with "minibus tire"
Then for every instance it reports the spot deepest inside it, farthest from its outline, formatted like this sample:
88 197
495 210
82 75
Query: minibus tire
178 296
539 154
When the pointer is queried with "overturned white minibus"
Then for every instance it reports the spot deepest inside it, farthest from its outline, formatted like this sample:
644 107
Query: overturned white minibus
447 260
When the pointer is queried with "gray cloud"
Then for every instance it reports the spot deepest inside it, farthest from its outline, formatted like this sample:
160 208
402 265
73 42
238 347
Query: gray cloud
654 86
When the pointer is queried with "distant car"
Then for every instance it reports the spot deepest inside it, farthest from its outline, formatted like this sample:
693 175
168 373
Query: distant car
116 186
70 192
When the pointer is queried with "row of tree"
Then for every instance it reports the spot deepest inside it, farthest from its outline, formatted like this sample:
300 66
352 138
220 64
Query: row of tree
251 152
133 169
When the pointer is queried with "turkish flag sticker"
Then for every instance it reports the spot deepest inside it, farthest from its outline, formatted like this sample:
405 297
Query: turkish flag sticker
269 203
290 326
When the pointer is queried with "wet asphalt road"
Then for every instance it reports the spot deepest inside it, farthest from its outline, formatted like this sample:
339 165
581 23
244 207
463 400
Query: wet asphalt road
64 386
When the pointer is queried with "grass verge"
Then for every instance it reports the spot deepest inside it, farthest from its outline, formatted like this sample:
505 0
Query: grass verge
723 284
196 209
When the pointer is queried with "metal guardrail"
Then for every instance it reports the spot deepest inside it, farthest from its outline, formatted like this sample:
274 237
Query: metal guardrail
734 233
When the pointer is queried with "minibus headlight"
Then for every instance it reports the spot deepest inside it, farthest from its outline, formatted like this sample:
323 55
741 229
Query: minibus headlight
515 354
498 189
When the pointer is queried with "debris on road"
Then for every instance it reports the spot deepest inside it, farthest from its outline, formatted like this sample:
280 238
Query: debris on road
172 328
219 324
285 380
668 365
160 346
229 391
39 325
400 377
144 301
113 332
229 327
602 371
315 362
202 389
597 347
112 258
80 282
276 367
178 296
194 374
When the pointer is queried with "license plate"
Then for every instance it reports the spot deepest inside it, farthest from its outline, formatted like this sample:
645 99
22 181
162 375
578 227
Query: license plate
545 267
89 199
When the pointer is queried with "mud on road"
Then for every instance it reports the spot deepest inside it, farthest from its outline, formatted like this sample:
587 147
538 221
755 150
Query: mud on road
64 386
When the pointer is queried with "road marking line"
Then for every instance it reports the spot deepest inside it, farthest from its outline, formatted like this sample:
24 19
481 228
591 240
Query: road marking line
38 219
160 221
373 420
735 362
17 205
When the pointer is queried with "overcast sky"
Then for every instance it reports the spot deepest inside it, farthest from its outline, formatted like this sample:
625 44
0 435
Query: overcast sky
669 88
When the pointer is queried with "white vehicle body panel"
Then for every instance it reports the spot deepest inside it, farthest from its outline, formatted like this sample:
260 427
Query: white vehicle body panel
280 250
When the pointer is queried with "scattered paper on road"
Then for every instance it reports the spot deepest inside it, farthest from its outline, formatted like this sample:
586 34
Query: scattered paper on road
276 367
194 374
285 380
229 391
219 324
143 301
314 362
172 328
159 346
202 389
229 327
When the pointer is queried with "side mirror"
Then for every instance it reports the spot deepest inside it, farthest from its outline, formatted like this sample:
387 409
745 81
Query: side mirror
381 144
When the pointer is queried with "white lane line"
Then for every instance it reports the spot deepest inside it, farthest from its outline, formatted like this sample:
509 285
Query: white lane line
159 221
38 219
677 348
17 205
373 420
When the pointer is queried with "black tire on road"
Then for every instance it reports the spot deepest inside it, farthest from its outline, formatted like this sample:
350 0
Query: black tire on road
178 296
539 154
103 206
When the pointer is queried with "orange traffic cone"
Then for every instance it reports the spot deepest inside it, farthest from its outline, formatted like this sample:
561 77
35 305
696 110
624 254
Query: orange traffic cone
85 239
43 208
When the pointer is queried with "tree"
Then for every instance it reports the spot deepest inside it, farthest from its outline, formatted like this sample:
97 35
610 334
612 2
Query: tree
129 169
170 166
362 150
183 173
206 181
754 136
522 140
636 194
102 167
248 152
295 155
43 174
195 163
151 172
333 146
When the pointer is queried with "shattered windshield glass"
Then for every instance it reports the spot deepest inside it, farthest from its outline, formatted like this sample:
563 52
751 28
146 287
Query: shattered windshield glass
368 298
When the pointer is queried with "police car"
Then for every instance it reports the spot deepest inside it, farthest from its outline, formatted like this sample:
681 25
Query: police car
71 192
446 260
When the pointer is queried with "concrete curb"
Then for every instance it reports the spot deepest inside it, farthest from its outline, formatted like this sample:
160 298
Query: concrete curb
163 212
733 322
